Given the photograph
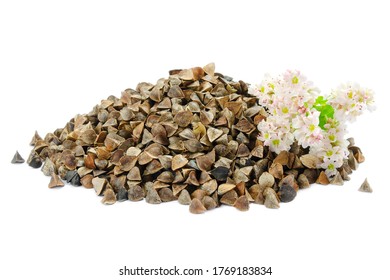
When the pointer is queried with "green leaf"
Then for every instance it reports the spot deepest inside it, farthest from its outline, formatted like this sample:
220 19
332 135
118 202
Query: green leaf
320 101
326 111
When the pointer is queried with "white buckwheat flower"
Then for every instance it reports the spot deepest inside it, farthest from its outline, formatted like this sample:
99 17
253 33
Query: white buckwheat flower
307 132
350 101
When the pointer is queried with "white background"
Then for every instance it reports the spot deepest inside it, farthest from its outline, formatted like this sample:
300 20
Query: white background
58 59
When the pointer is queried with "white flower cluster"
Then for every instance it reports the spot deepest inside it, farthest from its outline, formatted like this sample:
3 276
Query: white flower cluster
298 113
350 101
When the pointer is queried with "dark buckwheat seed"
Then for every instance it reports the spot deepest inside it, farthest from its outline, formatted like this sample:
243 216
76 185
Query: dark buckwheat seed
122 194
17 158
220 173
287 193
73 178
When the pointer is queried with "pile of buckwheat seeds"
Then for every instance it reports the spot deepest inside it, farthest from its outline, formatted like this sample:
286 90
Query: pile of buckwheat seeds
191 137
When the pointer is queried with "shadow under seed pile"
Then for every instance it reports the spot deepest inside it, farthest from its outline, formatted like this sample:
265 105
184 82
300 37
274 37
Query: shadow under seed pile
191 137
